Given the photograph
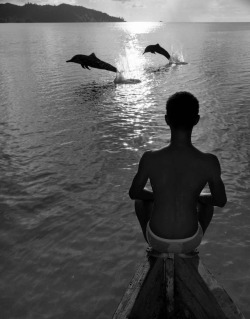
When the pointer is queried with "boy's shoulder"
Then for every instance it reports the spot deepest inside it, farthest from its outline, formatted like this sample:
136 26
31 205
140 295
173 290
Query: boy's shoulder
149 154
151 157
208 156
146 155
210 161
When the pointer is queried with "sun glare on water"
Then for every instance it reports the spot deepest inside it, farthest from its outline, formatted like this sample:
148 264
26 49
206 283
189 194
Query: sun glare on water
139 27
130 62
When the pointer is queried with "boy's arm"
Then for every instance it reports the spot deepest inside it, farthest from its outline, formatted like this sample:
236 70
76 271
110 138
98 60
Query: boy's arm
137 189
218 195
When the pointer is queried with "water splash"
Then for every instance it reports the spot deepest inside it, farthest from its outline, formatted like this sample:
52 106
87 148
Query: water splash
128 66
177 56
121 79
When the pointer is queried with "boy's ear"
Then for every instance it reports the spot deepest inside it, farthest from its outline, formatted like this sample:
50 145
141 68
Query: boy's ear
197 119
167 119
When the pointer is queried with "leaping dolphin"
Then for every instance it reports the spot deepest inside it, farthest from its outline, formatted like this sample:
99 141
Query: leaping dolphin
157 48
91 60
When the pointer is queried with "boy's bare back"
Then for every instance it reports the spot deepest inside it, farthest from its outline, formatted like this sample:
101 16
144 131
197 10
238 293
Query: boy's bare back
177 175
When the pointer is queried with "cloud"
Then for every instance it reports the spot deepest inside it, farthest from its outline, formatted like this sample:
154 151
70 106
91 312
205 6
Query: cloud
20 2
39 2
203 10
138 5
165 10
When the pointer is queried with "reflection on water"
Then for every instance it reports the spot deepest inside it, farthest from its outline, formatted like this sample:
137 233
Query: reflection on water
70 144
134 28
131 62
92 92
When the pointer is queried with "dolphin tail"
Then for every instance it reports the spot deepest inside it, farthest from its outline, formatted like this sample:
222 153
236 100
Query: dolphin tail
99 64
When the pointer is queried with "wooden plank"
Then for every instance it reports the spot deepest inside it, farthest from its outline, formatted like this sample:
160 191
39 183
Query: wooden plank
169 283
224 300
193 291
151 299
132 291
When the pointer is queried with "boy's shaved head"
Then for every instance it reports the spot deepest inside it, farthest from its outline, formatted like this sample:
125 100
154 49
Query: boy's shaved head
182 110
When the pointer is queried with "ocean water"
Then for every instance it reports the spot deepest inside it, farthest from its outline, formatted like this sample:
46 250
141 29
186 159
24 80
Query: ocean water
70 142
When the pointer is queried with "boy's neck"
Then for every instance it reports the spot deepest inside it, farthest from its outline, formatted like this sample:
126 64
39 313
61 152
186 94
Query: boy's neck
181 137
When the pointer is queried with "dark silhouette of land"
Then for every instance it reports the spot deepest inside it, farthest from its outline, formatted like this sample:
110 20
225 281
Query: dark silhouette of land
47 13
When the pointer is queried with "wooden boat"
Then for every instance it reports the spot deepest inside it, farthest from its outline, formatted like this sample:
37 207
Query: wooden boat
170 286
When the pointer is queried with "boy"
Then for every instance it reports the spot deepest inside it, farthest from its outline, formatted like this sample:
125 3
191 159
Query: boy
175 215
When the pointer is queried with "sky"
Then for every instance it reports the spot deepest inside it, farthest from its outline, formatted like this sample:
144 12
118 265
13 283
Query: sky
163 10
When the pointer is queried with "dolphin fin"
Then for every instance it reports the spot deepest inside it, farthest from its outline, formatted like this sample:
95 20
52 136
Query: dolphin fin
84 66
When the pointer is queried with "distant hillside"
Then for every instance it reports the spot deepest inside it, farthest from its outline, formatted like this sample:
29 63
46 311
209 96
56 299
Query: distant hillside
47 13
